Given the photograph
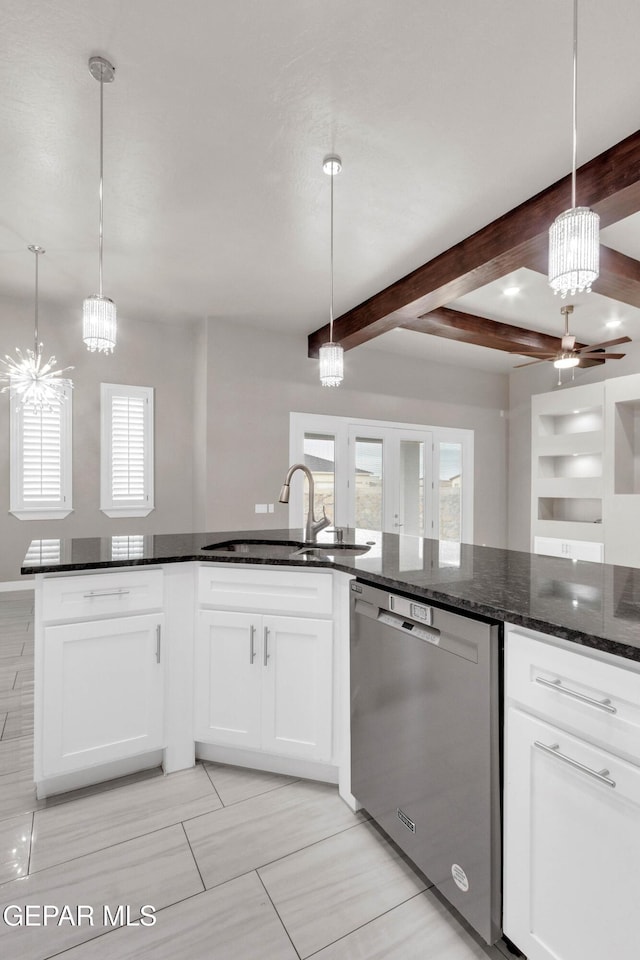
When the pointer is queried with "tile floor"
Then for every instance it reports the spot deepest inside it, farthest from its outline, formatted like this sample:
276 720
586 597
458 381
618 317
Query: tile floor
239 865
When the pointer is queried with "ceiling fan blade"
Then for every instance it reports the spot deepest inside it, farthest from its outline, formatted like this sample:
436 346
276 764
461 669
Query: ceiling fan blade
530 363
603 356
601 346
532 353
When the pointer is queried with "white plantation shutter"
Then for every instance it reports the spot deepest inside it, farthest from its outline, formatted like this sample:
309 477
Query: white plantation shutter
41 461
41 466
127 450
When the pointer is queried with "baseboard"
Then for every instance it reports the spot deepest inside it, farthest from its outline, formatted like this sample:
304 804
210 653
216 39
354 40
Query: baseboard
9 586
255 760
78 779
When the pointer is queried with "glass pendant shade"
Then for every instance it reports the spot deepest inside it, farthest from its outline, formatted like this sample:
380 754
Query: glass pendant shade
331 364
574 251
99 324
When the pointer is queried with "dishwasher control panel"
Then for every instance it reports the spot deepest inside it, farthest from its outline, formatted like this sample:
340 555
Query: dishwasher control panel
409 608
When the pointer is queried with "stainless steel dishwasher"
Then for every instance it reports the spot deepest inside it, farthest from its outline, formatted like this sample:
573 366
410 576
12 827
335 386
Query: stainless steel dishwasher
425 751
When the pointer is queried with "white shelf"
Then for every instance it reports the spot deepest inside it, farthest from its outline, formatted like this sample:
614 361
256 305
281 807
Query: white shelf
585 466
578 488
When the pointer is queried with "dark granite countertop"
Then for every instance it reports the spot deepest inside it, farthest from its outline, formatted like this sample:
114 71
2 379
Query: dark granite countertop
593 604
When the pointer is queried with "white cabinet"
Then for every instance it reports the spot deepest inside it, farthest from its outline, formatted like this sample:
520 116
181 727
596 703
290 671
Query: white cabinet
228 679
103 692
570 549
572 801
99 675
265 683
90 596
265 589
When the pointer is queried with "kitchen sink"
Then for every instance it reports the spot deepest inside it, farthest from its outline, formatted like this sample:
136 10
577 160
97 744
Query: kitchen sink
256 548
277 550
334 549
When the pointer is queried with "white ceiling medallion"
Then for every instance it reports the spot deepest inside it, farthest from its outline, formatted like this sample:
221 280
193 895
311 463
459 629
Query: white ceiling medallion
99 312
574 236
33 383
331 354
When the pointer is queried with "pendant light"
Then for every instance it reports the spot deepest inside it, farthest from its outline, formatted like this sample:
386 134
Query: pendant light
98 311
33 383
331 354
574 241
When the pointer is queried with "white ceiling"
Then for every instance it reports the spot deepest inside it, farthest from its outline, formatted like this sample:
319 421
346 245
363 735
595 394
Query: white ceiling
446 115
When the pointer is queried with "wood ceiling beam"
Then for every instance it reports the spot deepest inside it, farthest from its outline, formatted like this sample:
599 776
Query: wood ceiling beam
609 184
468 328
619 277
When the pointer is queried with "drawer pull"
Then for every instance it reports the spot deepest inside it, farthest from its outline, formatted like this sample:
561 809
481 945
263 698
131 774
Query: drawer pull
252 649
266 646
158 642
554 750
93 594
557 685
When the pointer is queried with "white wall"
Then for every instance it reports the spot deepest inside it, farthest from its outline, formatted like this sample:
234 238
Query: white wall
223 395
256 378
160 355
523 384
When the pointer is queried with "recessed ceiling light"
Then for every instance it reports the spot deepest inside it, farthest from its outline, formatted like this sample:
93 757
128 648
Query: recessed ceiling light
511 291
612 324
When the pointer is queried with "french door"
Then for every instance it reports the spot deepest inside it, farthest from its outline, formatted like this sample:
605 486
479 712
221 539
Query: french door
378 475
389 480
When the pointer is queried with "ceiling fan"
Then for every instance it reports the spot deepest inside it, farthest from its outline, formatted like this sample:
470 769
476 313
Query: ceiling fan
569 355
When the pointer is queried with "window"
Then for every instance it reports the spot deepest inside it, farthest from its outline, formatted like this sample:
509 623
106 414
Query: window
126 488
40 457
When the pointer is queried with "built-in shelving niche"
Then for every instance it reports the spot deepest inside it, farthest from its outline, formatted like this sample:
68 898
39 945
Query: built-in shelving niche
588 420
571 466
627 447
570 509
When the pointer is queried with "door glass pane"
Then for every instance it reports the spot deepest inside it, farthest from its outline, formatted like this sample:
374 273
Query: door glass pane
320 458
450 491
411 493
368 484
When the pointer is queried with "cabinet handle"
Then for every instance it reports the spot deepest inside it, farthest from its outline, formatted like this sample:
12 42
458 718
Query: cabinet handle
104 593
266 645
158 642
557 685
554 750
252 649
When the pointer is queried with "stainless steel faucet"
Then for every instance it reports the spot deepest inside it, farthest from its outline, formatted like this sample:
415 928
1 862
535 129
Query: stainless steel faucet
313 526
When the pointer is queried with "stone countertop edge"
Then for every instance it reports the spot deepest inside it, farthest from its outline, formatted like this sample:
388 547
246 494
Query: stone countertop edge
525 589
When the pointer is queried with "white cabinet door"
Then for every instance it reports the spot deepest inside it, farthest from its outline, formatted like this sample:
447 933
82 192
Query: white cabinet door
103 692
571 549
572 845
228 676
297 688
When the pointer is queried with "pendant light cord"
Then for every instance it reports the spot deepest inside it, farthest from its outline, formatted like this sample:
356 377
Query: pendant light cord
35 330
331 298
575 103
101 192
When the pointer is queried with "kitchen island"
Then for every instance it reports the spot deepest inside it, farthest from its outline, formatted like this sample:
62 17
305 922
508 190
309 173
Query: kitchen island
593 604
234 647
